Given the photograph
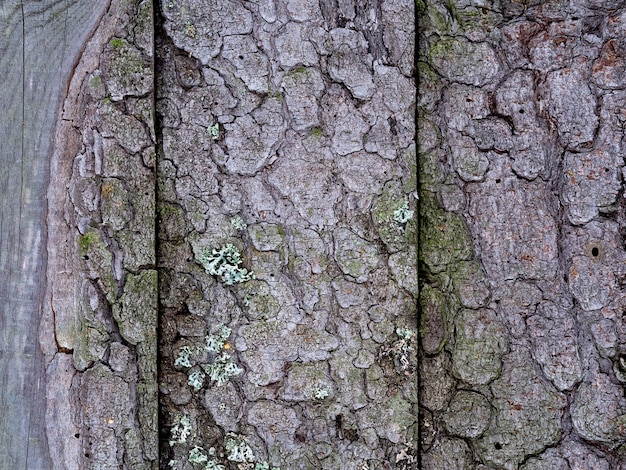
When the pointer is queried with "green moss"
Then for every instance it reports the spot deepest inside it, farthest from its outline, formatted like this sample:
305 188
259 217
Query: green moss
316 132
454 13
427 73
443 48
444 236
438 20
420 7
117 43
87 240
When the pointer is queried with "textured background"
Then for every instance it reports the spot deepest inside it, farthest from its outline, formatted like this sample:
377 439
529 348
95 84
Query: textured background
522 234
295 119
314 103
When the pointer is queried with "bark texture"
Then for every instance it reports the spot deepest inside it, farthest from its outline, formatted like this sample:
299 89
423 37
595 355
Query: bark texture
267 215
99 326
39 43
522 238
287 130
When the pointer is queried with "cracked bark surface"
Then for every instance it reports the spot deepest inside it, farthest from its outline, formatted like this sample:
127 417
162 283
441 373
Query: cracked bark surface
520 131
287 131
99 326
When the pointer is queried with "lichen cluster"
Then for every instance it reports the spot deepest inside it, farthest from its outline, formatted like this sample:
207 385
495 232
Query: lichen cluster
212 357
225 263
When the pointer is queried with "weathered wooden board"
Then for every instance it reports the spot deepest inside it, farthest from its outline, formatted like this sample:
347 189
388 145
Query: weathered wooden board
39 43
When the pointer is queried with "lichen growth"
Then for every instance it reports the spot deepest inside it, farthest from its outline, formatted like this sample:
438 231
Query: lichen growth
181 431
214 131
216 342
238 223
403 214
400 351
197 456
238 449
225 264
196 380
320 393
222 369
183 359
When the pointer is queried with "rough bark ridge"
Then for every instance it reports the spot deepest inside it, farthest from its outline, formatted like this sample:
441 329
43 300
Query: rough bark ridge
39 43
100 319
287 130
522 108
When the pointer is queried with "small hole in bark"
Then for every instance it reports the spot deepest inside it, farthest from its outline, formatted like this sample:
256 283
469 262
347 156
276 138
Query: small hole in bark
76 435
521 111
595 251
469 100
240 57
88 455
498 180
497 445
338 421
606 170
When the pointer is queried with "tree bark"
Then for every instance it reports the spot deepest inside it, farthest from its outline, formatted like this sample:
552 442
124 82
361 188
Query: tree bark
99 326
40 42
522 250
285 129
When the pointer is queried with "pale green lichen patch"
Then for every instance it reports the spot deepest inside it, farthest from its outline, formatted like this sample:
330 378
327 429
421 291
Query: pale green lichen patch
396 236
238 223
215 342
214 131
225 264
181 432
196 380
184 357
402 351
218 365
222 369
403 214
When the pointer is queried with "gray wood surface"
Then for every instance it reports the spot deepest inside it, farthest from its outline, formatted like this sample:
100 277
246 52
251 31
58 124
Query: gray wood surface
39 44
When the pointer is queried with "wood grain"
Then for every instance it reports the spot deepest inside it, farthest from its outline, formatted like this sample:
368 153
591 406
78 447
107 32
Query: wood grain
39 44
